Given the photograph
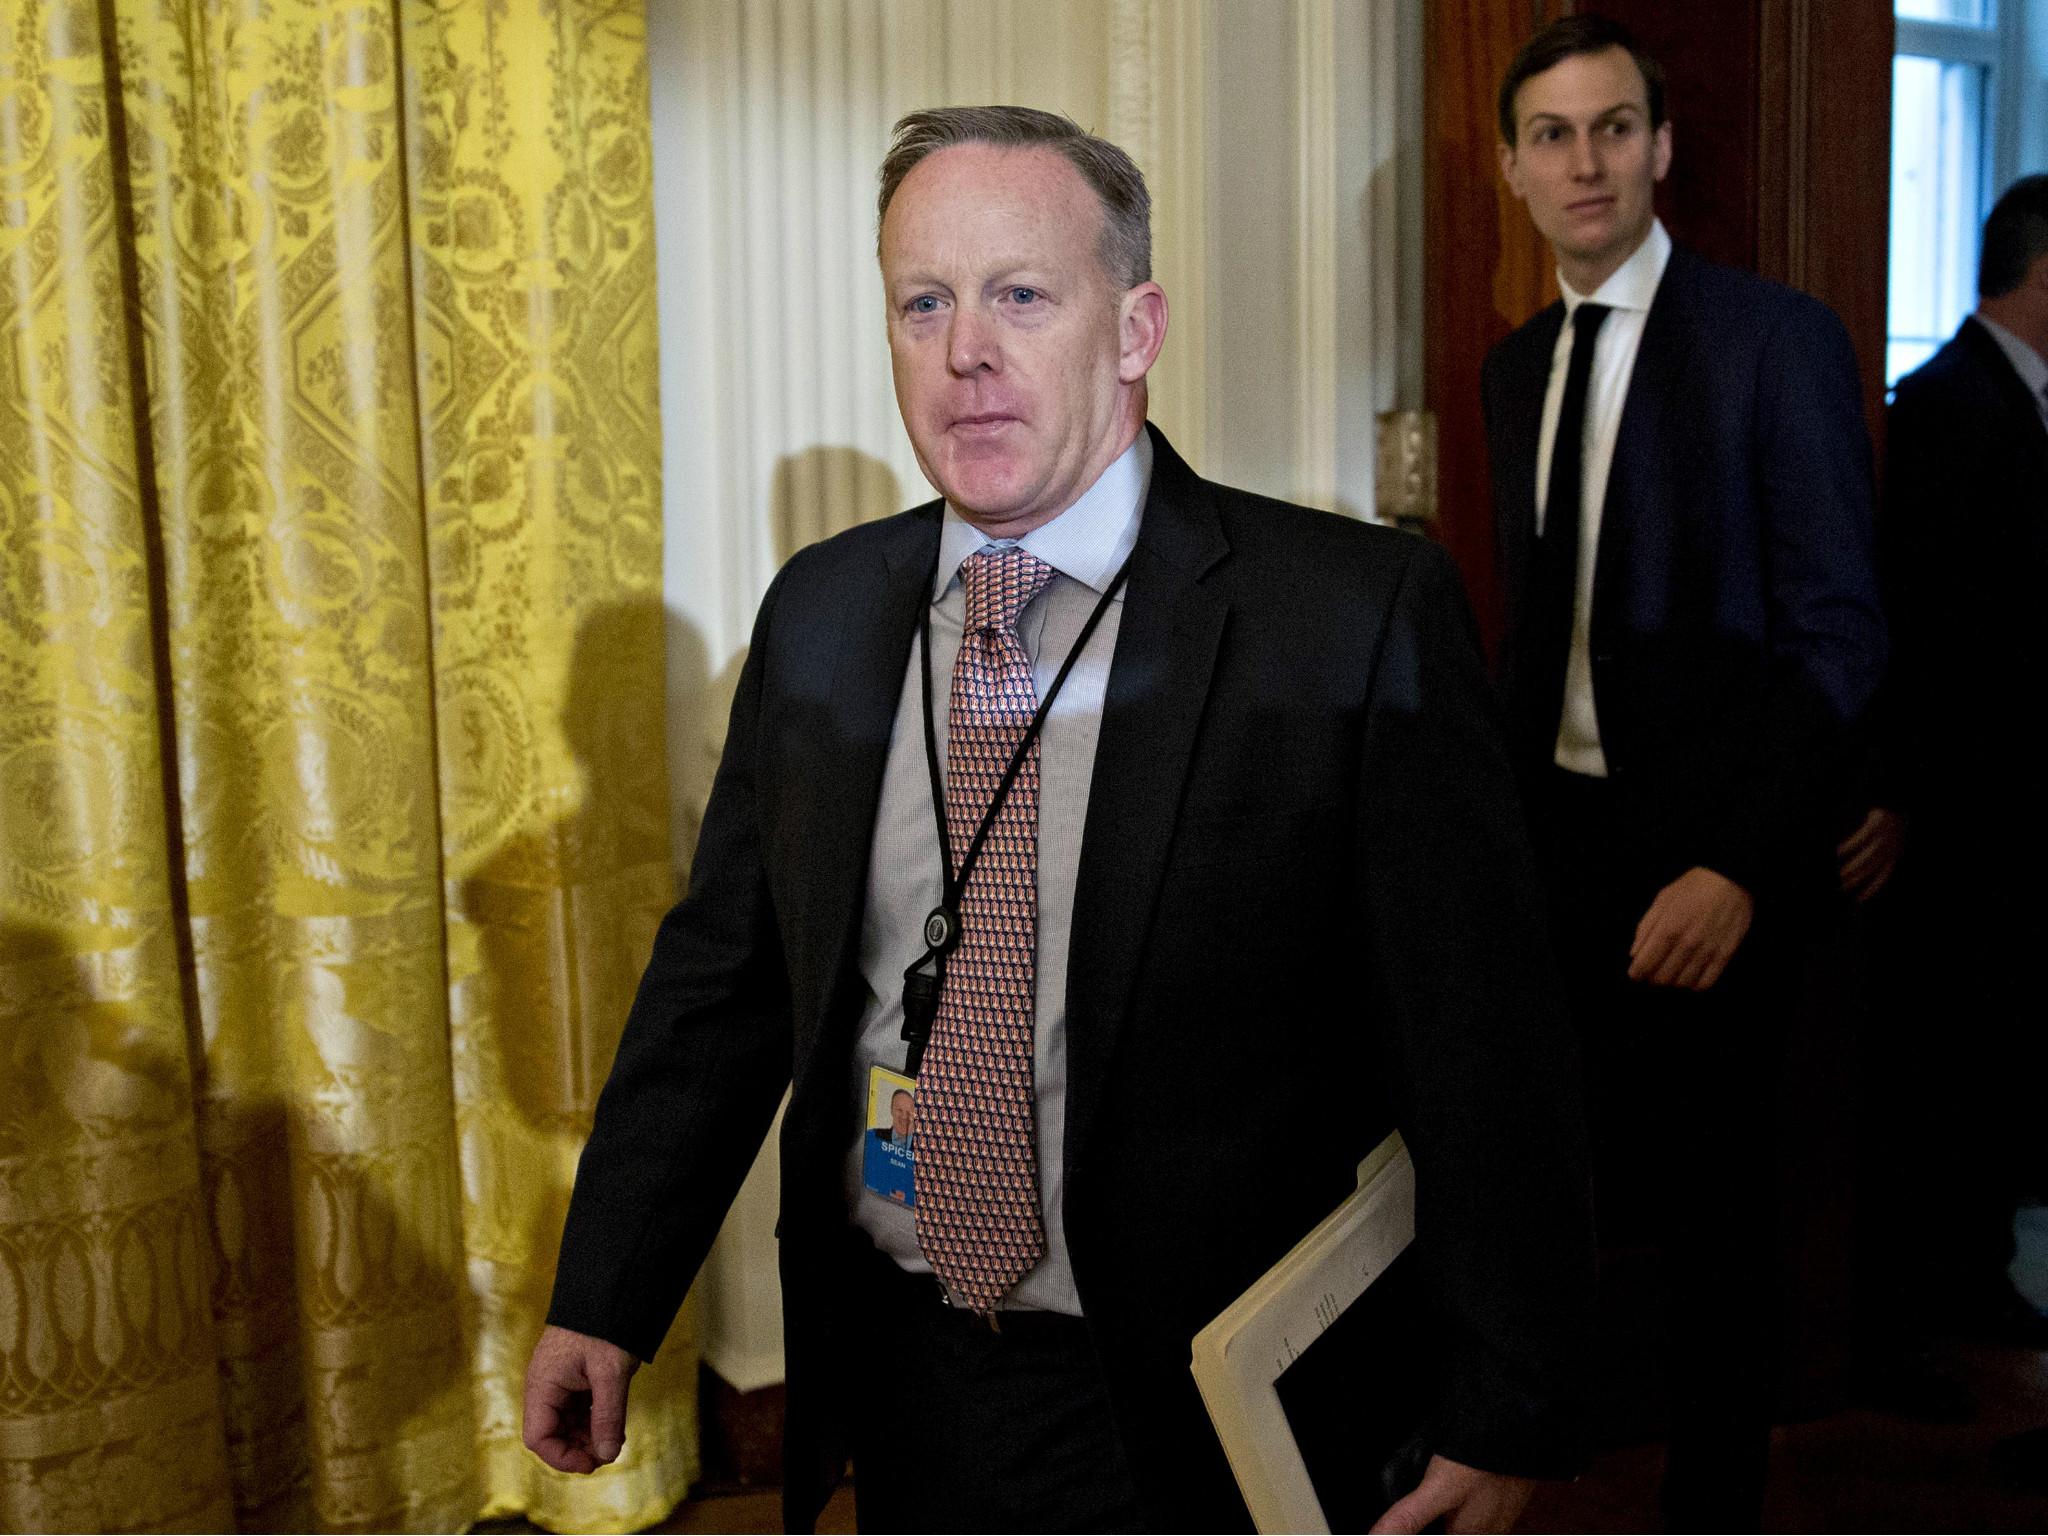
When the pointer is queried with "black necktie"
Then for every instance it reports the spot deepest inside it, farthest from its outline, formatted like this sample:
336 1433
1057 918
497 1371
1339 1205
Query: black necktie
1554 577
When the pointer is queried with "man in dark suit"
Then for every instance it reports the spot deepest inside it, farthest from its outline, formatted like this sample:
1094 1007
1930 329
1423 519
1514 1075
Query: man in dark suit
1965 545
1267 839
1682 498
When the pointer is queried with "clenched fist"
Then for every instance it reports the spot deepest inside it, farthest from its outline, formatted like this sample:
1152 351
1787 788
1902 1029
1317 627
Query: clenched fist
576 1400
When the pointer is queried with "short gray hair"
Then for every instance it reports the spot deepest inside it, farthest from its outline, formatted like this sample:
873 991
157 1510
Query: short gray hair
1126 248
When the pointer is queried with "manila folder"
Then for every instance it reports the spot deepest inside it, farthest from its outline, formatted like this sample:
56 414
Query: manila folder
1315 1377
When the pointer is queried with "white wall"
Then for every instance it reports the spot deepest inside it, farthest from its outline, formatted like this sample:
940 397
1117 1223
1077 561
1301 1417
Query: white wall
1281 141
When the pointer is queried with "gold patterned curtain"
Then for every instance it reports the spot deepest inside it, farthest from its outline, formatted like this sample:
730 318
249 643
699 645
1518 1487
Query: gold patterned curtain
333 823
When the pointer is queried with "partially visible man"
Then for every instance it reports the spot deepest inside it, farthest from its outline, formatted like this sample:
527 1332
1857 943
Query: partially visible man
1682 497
1958 1048
1267 834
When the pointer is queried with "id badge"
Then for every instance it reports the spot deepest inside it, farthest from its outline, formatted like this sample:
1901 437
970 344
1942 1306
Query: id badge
886 1155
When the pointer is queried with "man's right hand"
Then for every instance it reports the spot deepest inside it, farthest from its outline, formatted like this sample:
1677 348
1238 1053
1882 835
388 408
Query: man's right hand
1691 931
576 1400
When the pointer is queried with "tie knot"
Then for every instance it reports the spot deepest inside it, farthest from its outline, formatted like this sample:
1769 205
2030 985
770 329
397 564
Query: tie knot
999 583
1586 322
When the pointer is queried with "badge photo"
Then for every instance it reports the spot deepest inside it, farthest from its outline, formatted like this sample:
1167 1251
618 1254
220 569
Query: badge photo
887 1156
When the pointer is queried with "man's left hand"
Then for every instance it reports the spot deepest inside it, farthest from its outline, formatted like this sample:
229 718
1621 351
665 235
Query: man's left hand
1474 1500
1691 931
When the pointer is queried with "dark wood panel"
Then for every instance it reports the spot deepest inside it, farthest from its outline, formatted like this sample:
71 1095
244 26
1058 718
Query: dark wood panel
1485 268
1847 195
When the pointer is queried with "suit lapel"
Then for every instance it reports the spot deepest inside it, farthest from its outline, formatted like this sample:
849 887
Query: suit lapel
1642 463
1518 425
1158 683
871 649
1527 386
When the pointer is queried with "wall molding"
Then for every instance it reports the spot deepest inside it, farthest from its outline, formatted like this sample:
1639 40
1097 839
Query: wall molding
1157 110
1315 253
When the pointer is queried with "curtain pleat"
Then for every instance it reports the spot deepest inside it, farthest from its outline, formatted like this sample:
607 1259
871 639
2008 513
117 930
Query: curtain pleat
109 1410
378 539
533 304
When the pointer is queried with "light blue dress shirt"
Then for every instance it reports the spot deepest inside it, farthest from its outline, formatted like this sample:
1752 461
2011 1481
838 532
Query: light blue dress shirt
1085 545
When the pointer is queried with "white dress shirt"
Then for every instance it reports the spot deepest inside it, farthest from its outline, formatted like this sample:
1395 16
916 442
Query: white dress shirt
1085 545
1628 293
2026 362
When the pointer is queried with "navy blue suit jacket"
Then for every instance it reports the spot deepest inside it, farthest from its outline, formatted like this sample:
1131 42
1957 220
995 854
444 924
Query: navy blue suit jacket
1736 633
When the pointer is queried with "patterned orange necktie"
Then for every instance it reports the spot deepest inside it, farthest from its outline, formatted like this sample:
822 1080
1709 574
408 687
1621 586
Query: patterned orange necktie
978 1221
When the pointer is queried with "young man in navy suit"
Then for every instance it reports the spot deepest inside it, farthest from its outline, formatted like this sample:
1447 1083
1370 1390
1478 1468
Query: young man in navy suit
1682 498
1268 837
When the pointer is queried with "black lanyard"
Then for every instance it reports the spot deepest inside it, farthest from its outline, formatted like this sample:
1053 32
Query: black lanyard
942 924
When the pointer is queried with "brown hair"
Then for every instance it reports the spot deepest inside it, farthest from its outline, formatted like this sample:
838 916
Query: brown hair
1126 246
1568 37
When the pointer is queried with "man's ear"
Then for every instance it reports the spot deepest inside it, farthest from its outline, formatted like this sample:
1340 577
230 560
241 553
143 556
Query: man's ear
1509 168
1660 148
1141 331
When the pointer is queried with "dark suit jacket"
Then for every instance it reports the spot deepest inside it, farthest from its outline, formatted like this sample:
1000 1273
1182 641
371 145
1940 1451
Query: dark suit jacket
1736 634
1304 912
1966 561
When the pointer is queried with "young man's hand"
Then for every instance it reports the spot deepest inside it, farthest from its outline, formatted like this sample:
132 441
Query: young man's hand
1691 931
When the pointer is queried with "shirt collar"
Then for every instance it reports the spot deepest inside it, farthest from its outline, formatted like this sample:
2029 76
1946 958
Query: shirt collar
2028 363
1633 284
1086 543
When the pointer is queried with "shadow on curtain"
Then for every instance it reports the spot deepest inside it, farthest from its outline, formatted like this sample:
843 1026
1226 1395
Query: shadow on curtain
333 818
